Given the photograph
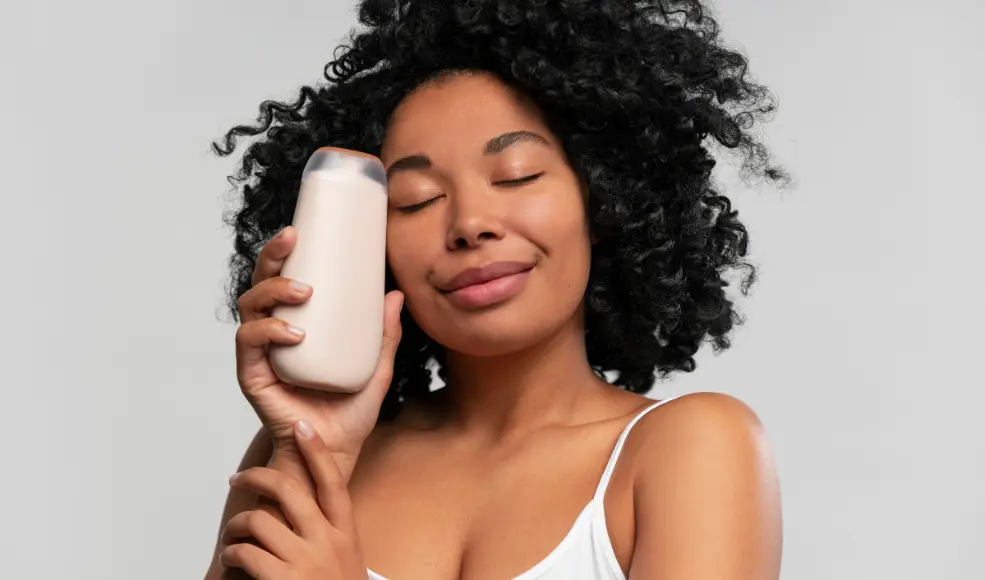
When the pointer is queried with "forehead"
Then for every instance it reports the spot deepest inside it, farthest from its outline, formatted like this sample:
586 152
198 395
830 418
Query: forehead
458 114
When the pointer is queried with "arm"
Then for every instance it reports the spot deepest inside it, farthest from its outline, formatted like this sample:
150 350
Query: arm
707 501
259 453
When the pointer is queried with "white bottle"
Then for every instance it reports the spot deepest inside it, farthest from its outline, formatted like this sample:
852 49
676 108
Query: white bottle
340 251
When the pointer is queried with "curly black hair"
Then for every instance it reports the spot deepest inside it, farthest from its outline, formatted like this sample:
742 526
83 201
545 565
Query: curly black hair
636 90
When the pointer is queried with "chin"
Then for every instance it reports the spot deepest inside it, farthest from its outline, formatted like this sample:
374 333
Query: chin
498 331
487 346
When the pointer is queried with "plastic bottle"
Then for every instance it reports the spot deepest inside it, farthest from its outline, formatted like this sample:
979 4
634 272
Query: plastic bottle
340 219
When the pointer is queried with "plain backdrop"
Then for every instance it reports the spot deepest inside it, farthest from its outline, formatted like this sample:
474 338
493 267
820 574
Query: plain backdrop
120 415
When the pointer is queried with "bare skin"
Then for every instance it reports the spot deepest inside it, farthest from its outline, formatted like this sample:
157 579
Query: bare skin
485 479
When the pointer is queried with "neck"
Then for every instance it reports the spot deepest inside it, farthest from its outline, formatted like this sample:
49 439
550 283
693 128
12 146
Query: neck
501 397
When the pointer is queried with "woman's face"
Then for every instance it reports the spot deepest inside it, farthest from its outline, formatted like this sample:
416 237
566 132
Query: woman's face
486 229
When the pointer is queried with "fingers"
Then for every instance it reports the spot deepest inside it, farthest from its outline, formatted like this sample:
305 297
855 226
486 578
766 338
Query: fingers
272 534
253 560
257 302
299 507
252 339
392 332
332 489
392 305
272 256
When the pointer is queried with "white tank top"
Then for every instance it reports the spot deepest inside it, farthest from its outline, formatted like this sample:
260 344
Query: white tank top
585 553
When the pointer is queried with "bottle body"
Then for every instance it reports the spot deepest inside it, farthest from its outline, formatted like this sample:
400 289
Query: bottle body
340 251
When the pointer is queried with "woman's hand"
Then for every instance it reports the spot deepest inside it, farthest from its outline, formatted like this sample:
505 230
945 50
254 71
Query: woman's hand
323 542
342 420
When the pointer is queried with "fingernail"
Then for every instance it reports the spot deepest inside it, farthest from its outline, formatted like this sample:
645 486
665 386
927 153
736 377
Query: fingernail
304 429
233 478
280 233
299 287
295 330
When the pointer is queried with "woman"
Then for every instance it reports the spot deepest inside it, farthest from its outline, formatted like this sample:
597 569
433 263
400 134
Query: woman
556 153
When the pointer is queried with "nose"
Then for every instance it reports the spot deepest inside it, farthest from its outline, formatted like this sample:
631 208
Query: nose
476 218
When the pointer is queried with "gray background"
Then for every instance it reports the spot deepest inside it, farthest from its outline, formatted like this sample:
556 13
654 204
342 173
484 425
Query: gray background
120 414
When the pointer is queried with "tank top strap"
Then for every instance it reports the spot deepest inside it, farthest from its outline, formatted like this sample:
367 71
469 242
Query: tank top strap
614 457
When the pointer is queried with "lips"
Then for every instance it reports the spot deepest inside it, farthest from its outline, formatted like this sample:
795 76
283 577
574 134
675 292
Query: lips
488 273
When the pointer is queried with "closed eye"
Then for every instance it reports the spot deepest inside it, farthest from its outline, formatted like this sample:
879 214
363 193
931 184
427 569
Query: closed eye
418 206
520 181
507 183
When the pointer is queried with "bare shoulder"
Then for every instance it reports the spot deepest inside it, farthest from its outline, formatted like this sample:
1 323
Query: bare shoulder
705 479
259 450
703 410
698 427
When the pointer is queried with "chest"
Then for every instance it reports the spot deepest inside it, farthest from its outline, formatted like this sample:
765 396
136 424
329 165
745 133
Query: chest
433 510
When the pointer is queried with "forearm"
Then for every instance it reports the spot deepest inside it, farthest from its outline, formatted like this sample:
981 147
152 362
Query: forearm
290 463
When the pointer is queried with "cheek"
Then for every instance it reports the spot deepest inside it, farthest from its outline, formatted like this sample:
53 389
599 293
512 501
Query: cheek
557 223
396 255
408 253
558 226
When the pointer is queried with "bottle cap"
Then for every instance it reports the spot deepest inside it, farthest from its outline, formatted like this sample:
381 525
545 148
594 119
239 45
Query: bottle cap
335 158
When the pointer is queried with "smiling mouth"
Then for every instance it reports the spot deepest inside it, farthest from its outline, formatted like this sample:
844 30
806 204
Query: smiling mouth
479 288
485 274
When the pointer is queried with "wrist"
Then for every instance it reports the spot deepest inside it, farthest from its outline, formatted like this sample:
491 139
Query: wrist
291 462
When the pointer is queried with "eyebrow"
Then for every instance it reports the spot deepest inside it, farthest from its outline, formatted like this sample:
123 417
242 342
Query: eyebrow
494 146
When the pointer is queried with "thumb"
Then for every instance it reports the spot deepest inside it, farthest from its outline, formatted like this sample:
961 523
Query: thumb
393 303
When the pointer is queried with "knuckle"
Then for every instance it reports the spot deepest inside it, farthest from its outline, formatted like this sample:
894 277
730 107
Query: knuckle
253 521
286 487
246 333
242 303
233 552
336 486
248 475
338 540
241 332
262 326
247 521
277 327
